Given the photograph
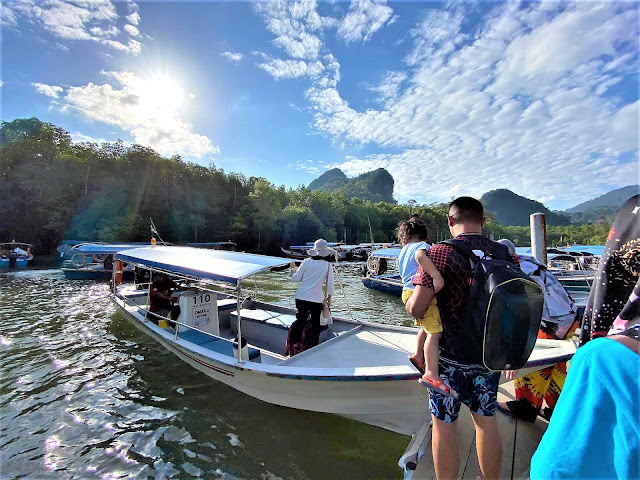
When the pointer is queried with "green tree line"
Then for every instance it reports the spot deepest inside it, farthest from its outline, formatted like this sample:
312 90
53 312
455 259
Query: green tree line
52 189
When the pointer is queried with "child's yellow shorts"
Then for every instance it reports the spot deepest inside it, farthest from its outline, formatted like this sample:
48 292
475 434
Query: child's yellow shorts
430 321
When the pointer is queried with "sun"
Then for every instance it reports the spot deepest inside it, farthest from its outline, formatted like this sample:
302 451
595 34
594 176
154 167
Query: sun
159 96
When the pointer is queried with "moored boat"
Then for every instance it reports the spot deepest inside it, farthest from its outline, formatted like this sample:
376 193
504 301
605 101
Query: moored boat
359 369
94 261
15 254
375 276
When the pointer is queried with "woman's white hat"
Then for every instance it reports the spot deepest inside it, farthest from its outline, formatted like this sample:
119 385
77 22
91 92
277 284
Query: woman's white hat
320 249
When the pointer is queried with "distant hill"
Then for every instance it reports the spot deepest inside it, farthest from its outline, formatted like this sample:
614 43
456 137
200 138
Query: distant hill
603 208
330 181
376 186
512 209
614 198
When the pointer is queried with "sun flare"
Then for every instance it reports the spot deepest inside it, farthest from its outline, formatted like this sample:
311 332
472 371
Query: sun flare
160 96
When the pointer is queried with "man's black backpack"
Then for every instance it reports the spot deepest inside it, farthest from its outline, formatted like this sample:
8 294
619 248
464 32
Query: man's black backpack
504 310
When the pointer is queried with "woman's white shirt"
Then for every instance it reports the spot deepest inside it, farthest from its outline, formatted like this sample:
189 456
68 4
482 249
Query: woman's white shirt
311 275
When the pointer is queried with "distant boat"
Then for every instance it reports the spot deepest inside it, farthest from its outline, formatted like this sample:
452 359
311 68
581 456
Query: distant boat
359 370
15 254
357 252
94 261
375 276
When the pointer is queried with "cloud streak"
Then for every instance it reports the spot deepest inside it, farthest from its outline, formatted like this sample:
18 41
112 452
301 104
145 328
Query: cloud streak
511 100
94 21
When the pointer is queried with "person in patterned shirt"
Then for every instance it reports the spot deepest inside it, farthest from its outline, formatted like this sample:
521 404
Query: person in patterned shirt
459 364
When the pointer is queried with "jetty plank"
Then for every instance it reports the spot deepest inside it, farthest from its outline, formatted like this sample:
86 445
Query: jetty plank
519 441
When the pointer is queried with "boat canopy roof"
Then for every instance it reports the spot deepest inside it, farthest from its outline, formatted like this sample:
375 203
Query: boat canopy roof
386 253
16 244
220 265
106 248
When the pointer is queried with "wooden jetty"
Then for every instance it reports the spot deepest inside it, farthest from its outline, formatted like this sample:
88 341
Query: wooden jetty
519 442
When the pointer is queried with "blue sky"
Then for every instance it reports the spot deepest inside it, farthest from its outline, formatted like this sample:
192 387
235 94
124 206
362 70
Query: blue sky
453 98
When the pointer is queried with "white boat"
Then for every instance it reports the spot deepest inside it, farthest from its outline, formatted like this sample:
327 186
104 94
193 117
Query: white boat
359 370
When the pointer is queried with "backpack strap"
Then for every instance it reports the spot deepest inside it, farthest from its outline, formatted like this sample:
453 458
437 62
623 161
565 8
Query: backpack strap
502 252
462 247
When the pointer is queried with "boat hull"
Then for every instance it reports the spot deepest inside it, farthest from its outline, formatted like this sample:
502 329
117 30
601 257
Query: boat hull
387 395
384 283
20 263
396 403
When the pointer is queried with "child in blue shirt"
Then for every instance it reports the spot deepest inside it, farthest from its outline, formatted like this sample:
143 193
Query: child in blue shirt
412 234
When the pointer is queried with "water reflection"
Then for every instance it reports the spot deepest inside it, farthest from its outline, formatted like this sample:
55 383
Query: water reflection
82 391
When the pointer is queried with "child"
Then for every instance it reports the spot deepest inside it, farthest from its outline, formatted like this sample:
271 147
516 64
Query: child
412 234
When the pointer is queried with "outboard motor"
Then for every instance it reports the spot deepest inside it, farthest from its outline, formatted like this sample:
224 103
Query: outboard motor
13 257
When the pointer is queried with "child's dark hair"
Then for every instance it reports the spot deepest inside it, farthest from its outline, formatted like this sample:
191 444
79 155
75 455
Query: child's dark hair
415 226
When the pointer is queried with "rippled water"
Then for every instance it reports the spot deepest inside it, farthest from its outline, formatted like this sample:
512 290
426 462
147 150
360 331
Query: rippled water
84 394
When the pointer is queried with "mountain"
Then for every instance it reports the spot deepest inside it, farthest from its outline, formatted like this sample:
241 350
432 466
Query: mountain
512 209
329 181
614 198
376 186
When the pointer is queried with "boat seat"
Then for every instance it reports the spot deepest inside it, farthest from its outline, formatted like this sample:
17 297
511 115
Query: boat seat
279 320
227 304
219 345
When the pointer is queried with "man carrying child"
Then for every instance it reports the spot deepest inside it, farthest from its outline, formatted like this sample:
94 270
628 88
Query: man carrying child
476 386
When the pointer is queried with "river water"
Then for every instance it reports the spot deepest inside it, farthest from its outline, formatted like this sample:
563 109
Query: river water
85 395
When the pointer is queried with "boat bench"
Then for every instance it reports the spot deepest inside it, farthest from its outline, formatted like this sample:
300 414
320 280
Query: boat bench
227 304
279 320
219 345
268 326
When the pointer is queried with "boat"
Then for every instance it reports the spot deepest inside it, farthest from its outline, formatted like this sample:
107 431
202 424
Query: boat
15 254
94 261
375 276
359 370
300 252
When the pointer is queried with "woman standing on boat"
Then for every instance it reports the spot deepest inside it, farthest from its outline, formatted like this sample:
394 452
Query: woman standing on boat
313 274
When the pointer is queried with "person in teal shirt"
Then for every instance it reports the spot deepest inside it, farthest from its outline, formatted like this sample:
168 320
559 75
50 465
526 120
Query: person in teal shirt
595 428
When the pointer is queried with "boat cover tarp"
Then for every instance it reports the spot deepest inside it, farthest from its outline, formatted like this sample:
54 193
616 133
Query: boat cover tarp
105 248
220 265
386 253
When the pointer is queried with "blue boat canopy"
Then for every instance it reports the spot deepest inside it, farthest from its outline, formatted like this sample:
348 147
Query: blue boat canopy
220 265
105 248
386 253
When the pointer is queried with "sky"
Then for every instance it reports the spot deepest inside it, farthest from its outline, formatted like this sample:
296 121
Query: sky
454 98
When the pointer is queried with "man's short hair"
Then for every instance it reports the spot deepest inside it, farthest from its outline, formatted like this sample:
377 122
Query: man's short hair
466 209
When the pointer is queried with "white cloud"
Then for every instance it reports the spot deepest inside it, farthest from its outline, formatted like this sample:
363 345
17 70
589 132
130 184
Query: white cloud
365 18
52 91
232 56
517 103
94 20
147 108
82 138
309 166
291 68
131 30
134 18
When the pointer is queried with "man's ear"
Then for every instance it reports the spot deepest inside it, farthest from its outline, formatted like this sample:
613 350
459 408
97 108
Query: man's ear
484 220
450 221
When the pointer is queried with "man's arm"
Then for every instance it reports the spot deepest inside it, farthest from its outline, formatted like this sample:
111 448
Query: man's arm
420 300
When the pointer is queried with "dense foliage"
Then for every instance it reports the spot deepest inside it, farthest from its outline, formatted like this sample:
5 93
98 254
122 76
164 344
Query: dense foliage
53 189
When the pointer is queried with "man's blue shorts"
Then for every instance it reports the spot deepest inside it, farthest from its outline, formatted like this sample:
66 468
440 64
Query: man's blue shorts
477 387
